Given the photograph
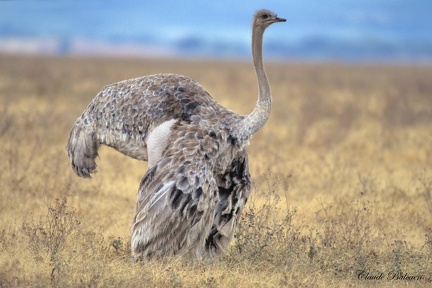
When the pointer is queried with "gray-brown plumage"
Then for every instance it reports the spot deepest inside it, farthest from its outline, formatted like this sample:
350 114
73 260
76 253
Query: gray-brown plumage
198 179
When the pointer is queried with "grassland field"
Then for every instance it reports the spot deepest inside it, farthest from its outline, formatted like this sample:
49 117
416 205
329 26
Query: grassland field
342 178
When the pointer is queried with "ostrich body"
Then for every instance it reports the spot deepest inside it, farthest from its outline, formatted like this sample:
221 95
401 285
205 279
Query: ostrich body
198 179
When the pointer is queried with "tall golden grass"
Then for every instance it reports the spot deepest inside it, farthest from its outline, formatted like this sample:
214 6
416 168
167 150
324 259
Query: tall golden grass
342 178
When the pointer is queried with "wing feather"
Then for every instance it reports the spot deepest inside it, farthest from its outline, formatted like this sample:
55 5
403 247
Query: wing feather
234 189
175 211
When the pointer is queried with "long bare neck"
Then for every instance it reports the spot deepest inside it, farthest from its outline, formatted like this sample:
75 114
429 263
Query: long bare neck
259 116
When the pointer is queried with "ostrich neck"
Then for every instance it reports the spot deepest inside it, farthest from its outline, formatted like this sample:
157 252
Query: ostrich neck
260 114
263 84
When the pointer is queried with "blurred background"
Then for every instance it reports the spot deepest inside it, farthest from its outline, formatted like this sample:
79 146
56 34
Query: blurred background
346 30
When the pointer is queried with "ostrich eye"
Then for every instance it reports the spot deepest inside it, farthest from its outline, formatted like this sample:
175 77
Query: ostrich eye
265 16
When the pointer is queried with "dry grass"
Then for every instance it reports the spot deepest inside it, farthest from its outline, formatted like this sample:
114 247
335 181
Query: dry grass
342 178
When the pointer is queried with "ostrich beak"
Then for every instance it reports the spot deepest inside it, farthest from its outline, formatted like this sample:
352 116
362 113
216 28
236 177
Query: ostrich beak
277 19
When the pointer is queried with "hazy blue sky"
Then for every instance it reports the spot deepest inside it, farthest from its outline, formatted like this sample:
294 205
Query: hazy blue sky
332 28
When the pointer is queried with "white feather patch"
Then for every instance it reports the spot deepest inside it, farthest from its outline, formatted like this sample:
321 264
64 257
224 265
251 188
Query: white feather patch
157 141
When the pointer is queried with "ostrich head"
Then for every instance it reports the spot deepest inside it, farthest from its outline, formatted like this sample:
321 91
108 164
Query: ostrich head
264 18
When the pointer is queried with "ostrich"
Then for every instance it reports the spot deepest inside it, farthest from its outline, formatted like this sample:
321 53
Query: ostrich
198 180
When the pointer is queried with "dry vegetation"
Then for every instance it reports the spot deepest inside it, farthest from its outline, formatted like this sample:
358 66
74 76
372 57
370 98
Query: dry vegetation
342 178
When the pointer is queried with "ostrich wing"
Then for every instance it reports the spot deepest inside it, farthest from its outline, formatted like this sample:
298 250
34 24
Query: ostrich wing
123 114
234 189
177 198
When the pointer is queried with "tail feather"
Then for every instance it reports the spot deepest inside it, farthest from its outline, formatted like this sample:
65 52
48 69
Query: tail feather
82 149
